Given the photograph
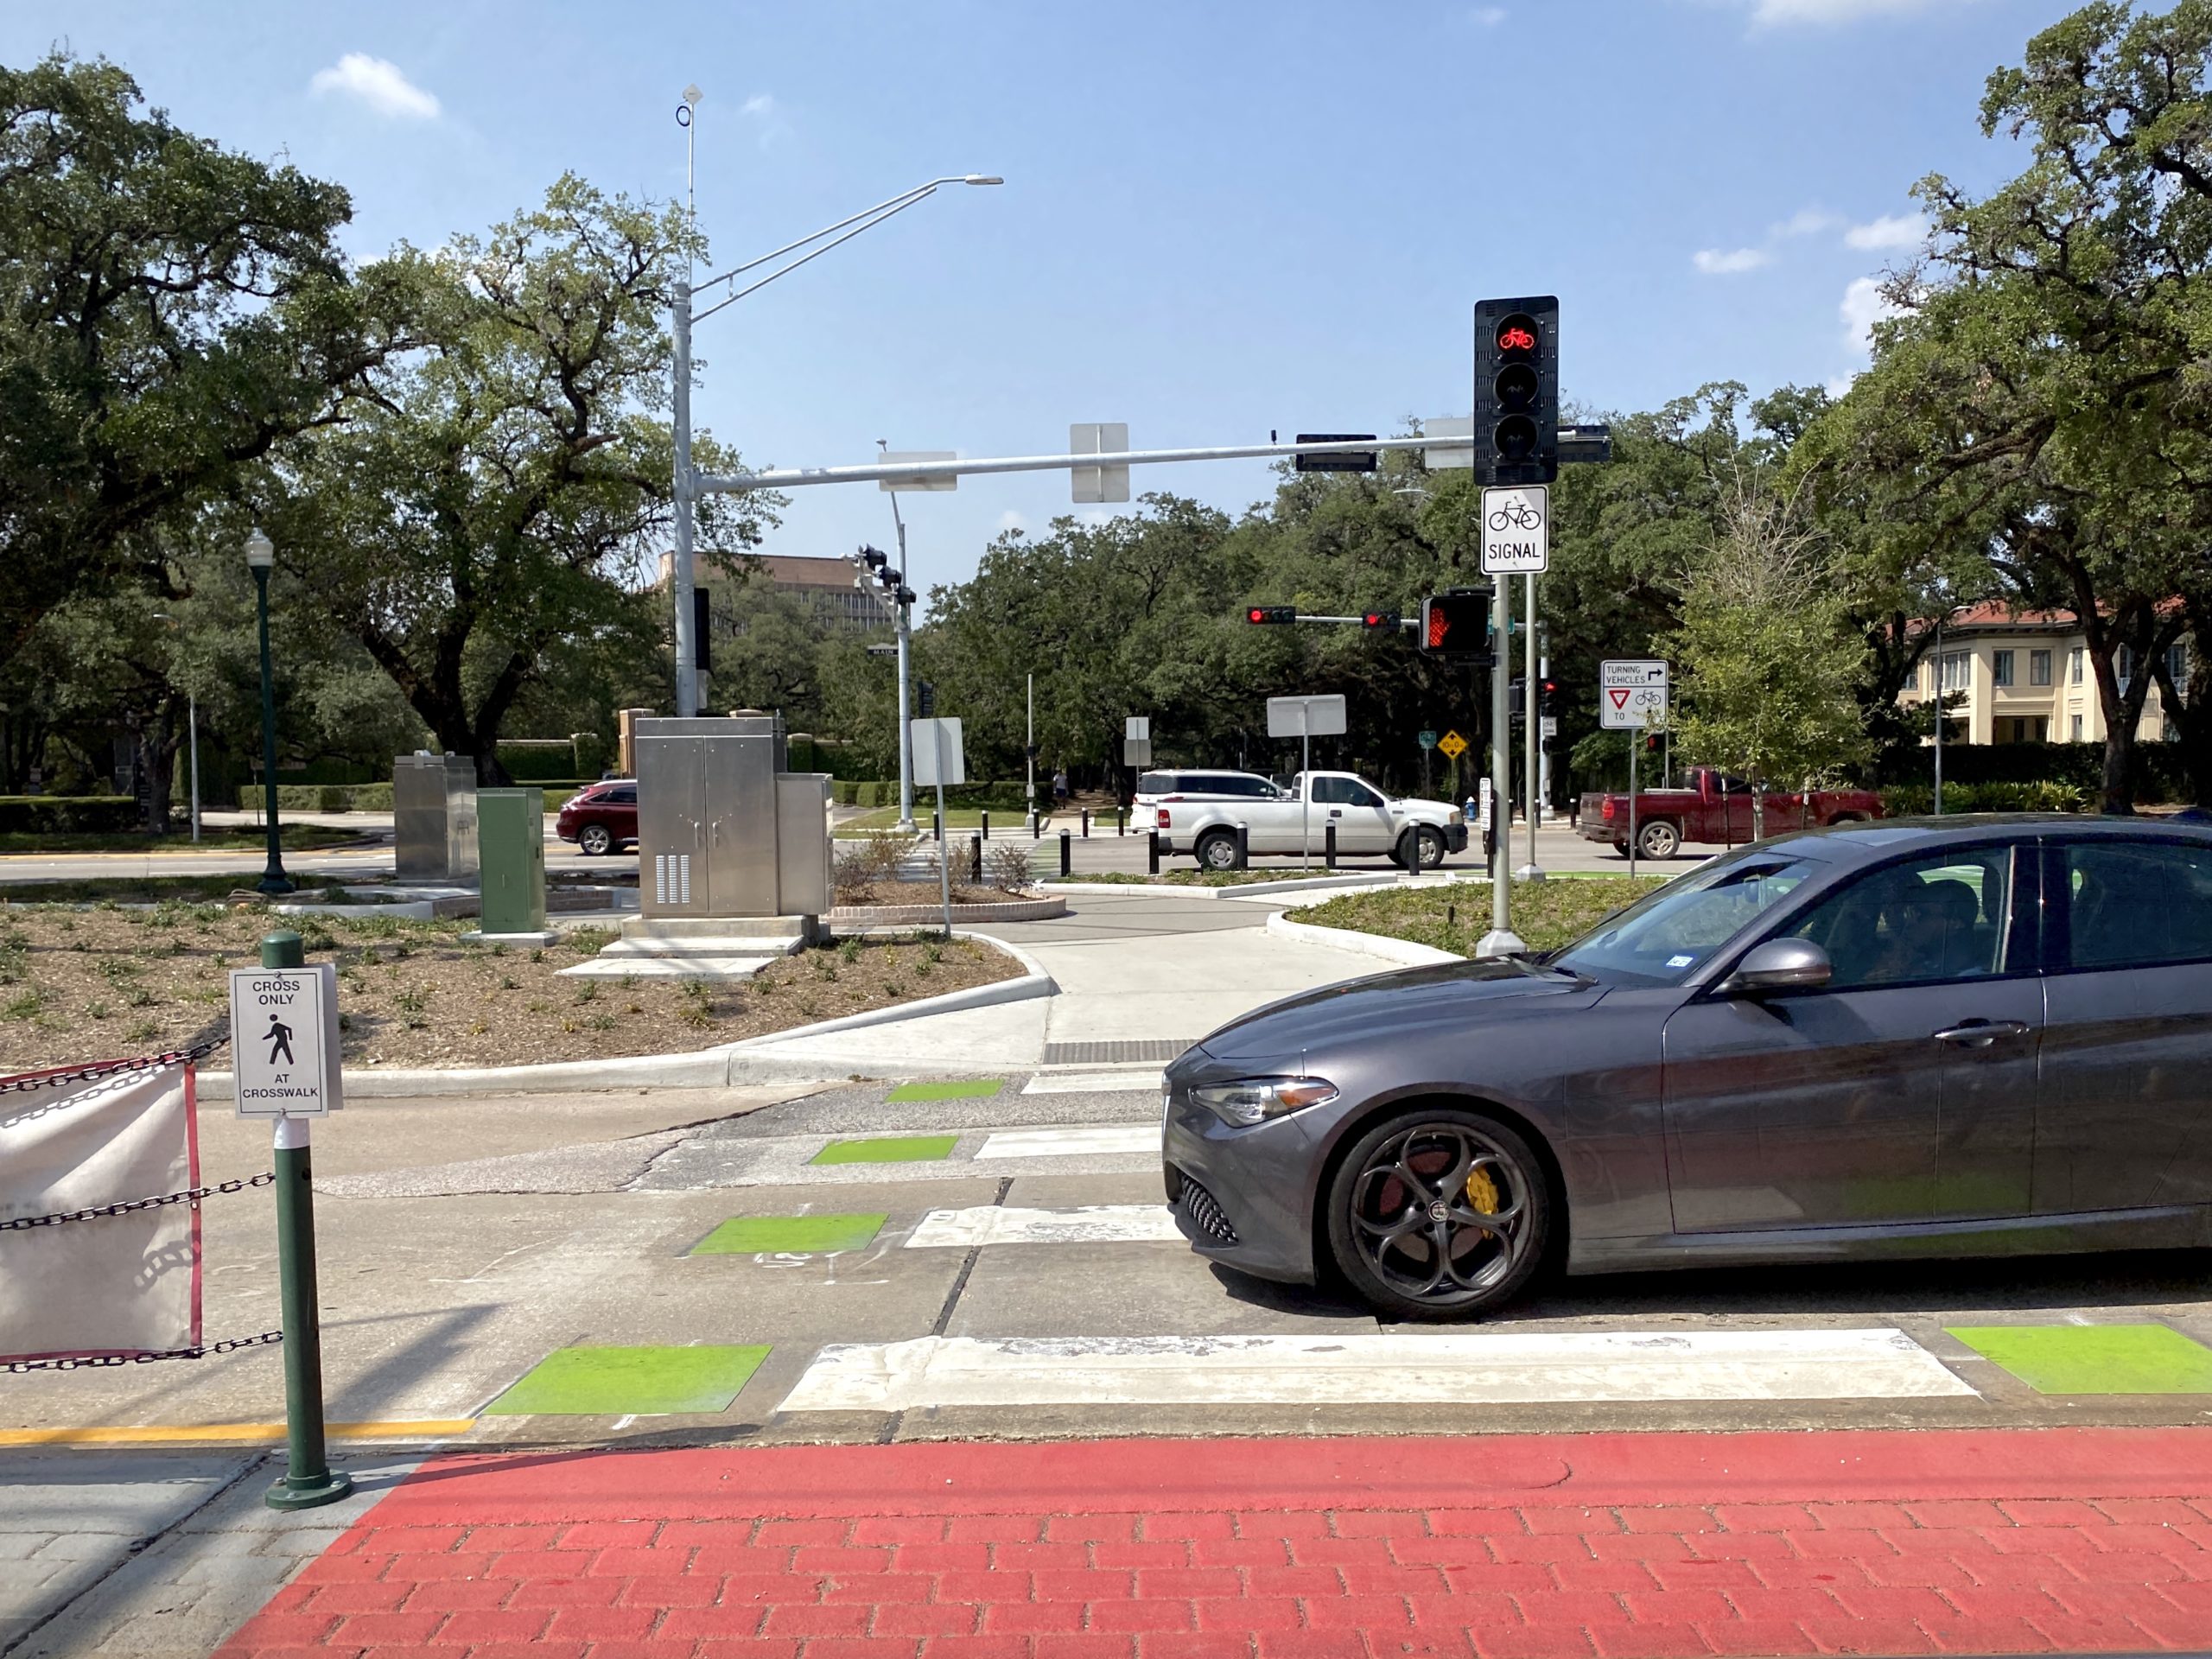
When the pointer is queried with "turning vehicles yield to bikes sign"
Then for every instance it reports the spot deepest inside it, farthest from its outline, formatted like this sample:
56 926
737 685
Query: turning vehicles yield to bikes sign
1517 531
1632 695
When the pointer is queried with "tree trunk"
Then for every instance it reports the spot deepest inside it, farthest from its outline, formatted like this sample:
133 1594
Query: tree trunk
2192 713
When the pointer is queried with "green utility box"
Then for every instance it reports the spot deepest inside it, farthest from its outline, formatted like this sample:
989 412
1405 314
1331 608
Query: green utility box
511 843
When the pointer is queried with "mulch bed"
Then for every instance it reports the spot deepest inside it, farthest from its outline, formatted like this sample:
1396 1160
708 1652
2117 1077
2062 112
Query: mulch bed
85 983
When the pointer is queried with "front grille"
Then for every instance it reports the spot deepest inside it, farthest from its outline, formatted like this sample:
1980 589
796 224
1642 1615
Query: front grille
1199 1208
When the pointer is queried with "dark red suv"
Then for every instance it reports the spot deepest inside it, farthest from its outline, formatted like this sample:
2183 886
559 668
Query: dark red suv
601 818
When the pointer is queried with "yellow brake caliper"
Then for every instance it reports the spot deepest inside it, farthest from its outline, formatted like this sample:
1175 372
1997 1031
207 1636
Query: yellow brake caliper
1482 1192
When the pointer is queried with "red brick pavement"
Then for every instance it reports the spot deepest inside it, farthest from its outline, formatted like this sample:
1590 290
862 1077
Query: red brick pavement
1643 1546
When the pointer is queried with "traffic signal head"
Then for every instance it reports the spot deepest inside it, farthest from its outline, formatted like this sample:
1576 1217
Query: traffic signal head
1271 613
1379 619
1517 391
1456 624
1546 690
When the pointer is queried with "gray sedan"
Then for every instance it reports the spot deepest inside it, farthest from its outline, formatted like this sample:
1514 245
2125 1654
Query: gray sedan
1937 1038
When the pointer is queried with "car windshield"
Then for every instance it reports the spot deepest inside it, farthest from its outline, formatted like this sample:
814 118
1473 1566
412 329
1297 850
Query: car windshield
1663 938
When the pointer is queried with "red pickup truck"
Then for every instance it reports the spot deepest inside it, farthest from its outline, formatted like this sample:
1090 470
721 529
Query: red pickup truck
1715 807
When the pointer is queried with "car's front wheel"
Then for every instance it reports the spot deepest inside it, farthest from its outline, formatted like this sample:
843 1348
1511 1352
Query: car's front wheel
1430 841
1440 1213
595 840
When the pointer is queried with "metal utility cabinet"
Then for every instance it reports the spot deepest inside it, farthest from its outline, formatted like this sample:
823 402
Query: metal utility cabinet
511 829
433 816
723 830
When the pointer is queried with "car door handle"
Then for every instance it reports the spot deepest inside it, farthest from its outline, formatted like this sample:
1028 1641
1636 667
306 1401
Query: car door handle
1980 1033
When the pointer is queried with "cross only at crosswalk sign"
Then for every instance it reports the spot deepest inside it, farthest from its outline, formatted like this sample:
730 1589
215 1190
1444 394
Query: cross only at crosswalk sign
284 1040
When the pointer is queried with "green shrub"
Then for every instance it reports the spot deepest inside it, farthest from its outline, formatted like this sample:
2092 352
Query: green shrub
1917 800
48 814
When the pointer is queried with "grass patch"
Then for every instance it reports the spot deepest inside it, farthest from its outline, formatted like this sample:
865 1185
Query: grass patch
1547 914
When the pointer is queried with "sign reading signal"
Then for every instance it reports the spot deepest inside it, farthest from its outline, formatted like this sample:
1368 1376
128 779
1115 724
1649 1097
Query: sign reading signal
1517 531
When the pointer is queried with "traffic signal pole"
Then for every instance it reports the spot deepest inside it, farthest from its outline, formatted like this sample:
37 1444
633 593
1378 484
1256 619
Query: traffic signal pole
1501 940
1531 739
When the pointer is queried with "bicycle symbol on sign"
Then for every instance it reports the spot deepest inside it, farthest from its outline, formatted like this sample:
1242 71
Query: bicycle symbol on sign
1517 515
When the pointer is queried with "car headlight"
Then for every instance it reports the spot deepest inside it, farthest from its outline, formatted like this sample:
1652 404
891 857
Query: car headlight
1254 1099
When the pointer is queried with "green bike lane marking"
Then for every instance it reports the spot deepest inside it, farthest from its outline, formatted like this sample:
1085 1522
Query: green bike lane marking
965 1089
2094 1358
614 1381
790 1235
888 1149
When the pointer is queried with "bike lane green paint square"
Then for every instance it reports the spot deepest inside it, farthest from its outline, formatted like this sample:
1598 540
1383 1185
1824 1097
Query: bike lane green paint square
888 1149
967 1089
621 1382
751 1235
2094 1358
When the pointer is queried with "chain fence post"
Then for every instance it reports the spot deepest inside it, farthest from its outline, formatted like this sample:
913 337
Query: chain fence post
309 1481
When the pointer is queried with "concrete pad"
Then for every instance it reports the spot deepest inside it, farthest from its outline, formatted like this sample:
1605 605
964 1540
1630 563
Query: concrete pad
719 969
1004 1037
1087 1224
1140 1139
1133 1079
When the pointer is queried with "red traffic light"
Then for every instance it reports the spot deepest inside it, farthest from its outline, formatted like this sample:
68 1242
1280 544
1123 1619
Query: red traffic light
1379 619
1265 614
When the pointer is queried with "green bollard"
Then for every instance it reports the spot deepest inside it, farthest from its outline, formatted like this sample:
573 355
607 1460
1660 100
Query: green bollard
308 1480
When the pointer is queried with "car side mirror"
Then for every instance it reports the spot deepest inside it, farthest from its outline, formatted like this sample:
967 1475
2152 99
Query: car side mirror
1780 965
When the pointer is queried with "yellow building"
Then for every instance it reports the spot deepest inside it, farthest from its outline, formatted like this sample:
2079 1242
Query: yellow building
2026 677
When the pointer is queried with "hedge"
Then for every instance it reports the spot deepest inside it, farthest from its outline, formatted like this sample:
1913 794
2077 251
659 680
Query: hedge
377 798
51 814
1916 800
2155 773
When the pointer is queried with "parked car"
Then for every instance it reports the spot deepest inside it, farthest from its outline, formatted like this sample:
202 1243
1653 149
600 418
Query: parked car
1926 1038
1714 807
601 817
1280 821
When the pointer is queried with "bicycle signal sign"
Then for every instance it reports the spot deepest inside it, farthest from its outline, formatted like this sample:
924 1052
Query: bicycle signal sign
1517 531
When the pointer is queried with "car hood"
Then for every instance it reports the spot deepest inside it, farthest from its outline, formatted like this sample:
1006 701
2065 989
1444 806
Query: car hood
1314 1021
1414 803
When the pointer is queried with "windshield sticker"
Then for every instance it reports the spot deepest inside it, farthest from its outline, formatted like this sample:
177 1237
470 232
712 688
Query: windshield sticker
1680 962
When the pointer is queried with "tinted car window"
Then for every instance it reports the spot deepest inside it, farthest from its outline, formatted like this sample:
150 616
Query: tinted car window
2135 902
1156 783
1938 918
1665 937
626 795
1345 792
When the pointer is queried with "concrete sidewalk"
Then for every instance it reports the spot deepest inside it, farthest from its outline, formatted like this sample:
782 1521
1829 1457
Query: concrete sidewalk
1143 975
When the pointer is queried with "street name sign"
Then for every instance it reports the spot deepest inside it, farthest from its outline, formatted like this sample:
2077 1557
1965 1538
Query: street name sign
284 1041
1631 695
1517 531
1427 739
1316 717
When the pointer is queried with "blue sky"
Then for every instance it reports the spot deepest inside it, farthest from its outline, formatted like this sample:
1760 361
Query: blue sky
1219 218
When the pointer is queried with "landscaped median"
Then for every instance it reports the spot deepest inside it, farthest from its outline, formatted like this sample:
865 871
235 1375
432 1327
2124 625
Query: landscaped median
85 982
1451 919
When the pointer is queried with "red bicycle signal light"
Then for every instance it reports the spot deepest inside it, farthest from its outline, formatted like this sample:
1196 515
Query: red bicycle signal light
1516 336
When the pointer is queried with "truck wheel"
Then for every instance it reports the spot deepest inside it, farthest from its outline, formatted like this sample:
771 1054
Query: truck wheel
1658 839
1216 850
595 841
1430 841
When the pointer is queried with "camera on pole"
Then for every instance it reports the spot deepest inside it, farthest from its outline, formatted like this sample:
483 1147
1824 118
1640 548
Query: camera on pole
1517 391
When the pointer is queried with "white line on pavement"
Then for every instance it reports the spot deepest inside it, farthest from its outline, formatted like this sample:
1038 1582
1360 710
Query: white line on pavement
1090 1140
1135 1080
1093 1223
1601 1366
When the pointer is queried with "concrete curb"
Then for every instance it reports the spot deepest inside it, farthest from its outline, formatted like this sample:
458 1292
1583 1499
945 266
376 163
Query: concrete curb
723 1067
1242 890
1404 952
847 919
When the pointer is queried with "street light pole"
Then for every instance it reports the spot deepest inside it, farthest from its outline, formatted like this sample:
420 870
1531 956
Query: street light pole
260 553
682 575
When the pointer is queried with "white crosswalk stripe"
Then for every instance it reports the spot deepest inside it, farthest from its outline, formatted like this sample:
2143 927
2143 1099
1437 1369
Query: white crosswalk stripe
1100 1140
1455 1370
1134 1080
1092 1223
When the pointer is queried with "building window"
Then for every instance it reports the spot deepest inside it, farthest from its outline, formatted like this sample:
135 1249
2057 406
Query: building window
2038 668
2123 666
2076 721
1957 671
2000 668
2178 668
2075 659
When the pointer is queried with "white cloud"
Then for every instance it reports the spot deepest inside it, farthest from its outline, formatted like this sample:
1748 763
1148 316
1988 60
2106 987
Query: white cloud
376 82
1012 519
767 115
1863 307
760 104
1889 231
1778 13
1838 385
1717 262
1488 16
1807 221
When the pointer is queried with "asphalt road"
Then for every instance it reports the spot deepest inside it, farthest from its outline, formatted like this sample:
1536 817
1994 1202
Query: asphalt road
1019 1279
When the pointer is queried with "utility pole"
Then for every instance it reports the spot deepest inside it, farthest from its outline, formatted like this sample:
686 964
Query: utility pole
906 823
1531 737
1501 940
680 573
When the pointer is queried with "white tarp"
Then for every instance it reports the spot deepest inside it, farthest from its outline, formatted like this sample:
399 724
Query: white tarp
123 1284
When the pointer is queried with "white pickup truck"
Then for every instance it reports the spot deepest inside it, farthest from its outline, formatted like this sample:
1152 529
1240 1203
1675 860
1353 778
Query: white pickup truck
1367 822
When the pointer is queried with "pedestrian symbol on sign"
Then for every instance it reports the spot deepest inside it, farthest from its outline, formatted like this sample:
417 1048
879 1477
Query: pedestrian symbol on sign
279 1038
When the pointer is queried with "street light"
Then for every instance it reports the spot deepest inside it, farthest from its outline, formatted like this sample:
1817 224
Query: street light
260 553
682 317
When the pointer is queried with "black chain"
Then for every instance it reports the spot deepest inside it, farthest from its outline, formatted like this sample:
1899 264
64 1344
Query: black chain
193 1056
191 1195
96 1362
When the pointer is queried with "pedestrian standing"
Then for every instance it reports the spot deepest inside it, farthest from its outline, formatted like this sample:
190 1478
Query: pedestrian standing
1060 787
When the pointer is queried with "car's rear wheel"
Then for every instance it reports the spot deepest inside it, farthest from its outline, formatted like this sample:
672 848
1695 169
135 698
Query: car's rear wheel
1216 850
596 840
1440 1213
1659 839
